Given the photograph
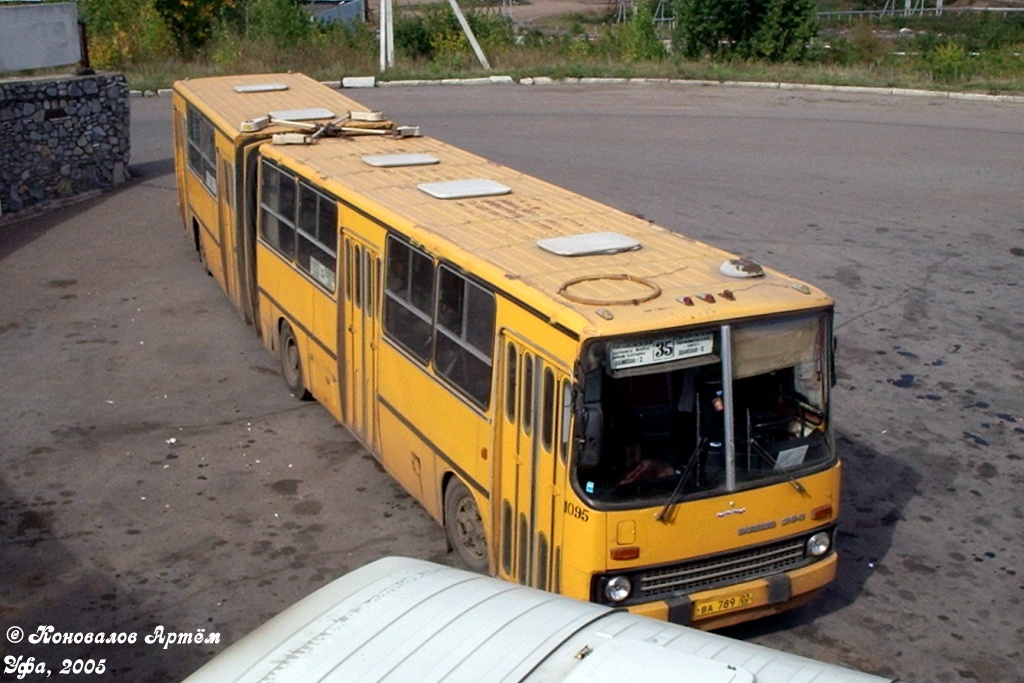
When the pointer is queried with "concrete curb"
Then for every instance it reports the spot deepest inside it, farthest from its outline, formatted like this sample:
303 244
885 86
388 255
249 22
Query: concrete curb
353 82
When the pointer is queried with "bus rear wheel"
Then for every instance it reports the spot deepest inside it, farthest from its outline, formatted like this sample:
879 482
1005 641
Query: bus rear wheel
291 362
463 526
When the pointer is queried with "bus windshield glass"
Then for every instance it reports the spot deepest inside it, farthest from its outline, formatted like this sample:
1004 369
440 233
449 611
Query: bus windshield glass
660 409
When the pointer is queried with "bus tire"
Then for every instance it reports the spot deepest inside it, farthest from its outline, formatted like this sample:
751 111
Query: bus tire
464 528
291 362
201 248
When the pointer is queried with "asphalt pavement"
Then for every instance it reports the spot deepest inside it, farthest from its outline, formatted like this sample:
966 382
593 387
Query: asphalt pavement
156 477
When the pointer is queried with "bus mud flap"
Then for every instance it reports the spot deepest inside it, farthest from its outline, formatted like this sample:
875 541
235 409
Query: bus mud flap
680 609
779 589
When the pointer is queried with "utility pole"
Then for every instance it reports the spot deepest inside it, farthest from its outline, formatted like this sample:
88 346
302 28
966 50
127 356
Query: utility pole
469 34
387 36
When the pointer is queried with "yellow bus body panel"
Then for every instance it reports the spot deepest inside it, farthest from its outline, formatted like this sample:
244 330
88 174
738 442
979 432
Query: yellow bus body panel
719 524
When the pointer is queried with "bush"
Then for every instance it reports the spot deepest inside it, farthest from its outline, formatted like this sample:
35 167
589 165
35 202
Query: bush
123 32
280 22
950 62
434 34
411 37
640 41
774 30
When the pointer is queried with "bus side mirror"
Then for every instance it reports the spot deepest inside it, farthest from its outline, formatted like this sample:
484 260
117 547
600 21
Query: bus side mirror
592 419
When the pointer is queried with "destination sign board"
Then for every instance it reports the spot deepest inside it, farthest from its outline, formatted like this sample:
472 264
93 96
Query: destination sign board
634 354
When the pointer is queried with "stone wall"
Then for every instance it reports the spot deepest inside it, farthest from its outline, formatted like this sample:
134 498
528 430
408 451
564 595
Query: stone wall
60 136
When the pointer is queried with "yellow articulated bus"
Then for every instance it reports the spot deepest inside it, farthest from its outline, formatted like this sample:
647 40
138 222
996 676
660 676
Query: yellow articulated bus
588 403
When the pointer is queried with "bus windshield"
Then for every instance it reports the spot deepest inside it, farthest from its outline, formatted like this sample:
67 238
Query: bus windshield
704 412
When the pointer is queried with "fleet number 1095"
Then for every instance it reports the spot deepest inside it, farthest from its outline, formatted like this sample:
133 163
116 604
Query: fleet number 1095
574 510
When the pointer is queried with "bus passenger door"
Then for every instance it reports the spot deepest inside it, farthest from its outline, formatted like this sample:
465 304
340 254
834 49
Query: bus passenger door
226 229
530 478
361 310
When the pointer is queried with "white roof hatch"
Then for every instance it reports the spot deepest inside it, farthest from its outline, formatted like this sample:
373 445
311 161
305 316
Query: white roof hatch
394 160
464 189
589 244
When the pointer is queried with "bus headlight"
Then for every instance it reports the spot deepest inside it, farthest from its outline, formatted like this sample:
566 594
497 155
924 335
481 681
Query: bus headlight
819 544
617 589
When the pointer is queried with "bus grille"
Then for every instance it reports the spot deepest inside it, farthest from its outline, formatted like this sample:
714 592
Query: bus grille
688 577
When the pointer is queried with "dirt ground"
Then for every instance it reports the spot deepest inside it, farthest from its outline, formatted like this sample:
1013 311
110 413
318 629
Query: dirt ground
531 12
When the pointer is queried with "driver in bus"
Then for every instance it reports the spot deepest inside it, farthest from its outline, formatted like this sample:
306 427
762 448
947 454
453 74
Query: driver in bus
644 470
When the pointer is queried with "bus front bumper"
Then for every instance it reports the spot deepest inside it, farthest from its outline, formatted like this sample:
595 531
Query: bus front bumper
723 607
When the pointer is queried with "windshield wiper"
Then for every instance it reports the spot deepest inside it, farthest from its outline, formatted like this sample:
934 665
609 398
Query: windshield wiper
663 515
768 458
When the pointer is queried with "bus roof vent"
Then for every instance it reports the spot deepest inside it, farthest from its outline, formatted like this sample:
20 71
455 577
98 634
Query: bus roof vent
741 268
302 114
261 87
464 189
393 160
589 244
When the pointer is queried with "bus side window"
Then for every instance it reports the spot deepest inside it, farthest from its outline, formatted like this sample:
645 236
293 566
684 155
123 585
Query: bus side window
202 149
318 235
547 426
464 330
527 415
375 289
348 270
409 298
511 382
277 204
357 276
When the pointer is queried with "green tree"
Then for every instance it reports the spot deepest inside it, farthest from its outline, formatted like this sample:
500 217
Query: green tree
710 28
786 30
122 32
776 30
191 22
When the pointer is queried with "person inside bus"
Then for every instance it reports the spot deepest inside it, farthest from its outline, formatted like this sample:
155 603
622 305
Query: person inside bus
638 469
701 406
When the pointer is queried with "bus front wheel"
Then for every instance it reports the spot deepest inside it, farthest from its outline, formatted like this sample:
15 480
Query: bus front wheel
291 362
463 526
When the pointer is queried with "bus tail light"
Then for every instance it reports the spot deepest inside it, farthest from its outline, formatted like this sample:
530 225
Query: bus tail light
627 553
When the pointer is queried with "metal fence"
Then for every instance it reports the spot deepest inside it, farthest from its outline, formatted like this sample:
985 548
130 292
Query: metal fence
918 10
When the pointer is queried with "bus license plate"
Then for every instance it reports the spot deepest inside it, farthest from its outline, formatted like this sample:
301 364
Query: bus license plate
726 604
